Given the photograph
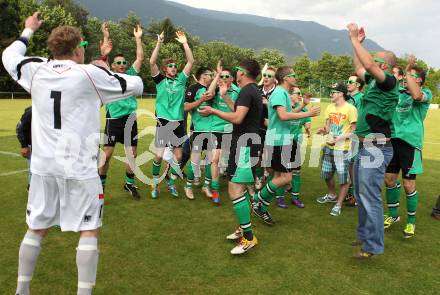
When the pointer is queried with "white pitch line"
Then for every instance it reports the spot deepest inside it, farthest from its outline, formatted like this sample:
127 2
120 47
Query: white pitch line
10 154
13 172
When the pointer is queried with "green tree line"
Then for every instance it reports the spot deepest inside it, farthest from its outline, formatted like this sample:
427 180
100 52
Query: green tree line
313 75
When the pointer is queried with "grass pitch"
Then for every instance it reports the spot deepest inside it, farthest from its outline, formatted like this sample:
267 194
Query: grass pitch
176 246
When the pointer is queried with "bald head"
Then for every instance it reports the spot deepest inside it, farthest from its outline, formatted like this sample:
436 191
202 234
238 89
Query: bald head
388 56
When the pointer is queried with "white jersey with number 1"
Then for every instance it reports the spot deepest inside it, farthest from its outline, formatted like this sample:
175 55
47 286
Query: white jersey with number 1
66 101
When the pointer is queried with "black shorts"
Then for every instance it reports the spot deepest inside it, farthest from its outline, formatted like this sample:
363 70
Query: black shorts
403 159
244 153
262 134
202 141
114 132
284 158
169 133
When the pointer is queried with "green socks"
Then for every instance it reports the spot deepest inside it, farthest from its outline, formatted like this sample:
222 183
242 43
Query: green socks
412 201
129 178
215 185
190 174
296 185
279 193
156 172
208 175
265 196
242 211
393 198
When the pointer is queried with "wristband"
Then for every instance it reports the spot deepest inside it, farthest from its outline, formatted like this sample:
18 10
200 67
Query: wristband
27 33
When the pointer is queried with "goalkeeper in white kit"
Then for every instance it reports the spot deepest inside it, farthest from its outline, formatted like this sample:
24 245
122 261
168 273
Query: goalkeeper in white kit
65 188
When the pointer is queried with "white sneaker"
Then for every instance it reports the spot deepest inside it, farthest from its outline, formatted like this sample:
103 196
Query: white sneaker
326 199
336 211
189 193
207 191
237 234
244 246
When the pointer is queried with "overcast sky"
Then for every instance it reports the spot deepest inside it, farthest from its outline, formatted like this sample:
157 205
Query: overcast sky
403 26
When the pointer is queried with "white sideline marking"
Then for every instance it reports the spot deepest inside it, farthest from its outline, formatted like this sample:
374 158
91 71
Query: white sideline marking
13 172
10 154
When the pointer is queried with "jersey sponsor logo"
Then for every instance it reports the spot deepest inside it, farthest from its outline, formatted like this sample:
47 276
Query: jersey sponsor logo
87 218
60 68
405 104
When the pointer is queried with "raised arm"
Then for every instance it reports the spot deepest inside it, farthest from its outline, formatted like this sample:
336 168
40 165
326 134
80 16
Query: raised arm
181 37
366 60
137 32
110 86
411 80
358 68
154 69
224 95
20 67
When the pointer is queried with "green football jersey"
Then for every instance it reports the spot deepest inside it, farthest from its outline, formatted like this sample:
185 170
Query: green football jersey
377 108
200 123
123 107
297 126
217 123
408 118
170 96
356 100
278 131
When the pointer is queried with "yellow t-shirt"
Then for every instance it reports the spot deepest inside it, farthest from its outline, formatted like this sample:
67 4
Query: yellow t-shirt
341 118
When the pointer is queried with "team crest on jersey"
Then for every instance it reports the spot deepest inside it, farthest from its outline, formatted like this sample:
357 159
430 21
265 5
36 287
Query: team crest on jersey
87 218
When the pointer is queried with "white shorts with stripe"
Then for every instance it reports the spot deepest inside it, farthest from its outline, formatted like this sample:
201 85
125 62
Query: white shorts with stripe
74 205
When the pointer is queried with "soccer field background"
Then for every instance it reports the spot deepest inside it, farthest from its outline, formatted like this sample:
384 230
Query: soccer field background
176 246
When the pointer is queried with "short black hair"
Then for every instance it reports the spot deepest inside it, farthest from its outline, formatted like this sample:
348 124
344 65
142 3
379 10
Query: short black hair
252 67
282 72
200 71
118 55
421 72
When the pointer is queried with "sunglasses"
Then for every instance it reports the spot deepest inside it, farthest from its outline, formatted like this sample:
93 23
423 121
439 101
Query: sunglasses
291 75
241 70
120 62
297 92
381 61
267 76
84 44
172 66
225 76
351 82
415 76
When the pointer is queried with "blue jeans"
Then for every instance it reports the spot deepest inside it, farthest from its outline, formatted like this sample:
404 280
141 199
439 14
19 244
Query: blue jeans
369 173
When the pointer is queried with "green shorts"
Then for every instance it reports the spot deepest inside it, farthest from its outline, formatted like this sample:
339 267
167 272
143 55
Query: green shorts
240 168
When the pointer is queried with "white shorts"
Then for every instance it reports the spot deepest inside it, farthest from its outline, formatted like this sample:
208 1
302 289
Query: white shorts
74 205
